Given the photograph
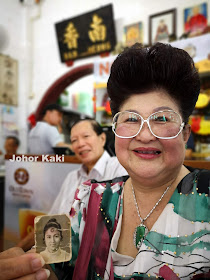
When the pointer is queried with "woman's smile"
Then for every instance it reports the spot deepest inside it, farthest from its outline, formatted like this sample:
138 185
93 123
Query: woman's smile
147 153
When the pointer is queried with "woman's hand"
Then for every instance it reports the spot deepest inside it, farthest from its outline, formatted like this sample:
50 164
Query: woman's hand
15 264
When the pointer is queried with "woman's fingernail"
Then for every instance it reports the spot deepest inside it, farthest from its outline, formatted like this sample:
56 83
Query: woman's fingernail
47 272
37 263
42 274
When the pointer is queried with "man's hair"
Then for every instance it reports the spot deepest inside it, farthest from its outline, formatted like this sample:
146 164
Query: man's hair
95 125
51 107
159 67
15 139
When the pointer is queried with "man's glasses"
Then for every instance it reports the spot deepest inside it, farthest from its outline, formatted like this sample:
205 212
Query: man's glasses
165 124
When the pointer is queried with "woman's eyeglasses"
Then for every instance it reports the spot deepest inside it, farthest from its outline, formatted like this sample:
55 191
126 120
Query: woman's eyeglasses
165 124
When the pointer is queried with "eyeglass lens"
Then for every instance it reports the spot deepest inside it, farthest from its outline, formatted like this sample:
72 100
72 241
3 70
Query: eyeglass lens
162 124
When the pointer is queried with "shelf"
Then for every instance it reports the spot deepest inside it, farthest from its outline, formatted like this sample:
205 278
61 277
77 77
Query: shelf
202 164
201 155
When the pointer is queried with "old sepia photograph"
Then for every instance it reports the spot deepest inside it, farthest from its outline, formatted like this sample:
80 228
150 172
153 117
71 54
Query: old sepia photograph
53 238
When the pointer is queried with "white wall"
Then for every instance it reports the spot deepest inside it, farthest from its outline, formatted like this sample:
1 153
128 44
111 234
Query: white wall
125 12
12 20
32 40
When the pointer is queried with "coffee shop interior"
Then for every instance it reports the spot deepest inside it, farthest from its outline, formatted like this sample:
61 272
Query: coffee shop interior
60 52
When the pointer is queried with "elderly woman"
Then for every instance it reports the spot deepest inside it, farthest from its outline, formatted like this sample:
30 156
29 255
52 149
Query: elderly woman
52 237
155 222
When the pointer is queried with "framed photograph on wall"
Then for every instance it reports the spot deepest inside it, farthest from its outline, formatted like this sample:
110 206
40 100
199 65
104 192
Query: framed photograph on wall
133 33
162 26
195 19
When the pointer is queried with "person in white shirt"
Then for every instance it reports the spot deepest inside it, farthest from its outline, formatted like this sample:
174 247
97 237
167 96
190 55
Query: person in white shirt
45 135
88 140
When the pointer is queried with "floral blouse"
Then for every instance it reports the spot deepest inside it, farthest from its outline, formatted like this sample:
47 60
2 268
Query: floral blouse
177 246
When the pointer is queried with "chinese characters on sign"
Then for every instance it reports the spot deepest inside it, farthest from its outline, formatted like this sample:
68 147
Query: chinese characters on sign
70 36
86 35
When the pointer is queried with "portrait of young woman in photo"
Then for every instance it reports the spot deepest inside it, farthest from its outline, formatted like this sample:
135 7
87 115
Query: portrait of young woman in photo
52 238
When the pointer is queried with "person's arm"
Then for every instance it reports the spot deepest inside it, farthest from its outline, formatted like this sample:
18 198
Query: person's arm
15 264
55 139
27 242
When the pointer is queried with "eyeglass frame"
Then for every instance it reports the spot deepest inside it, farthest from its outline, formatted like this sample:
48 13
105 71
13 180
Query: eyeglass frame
147 121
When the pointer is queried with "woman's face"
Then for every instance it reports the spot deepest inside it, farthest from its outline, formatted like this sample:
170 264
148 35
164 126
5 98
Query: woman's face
52 239
87 145
146 157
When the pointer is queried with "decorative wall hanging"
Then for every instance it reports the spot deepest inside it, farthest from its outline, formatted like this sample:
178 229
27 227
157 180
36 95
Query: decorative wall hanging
8 80
86 35
162 26
133 33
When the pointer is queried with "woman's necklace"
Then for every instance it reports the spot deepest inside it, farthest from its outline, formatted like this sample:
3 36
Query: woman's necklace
141 231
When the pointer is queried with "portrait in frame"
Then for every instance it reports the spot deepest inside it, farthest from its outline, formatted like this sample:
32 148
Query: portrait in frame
195 19
162 26
53 238
133 33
